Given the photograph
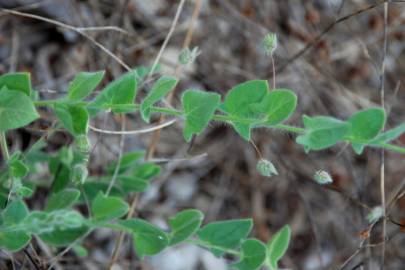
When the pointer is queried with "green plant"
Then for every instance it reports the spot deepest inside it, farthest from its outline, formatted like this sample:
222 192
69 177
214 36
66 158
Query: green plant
246 106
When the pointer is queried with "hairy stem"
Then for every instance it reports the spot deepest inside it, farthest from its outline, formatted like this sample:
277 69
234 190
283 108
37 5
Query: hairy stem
229 119
4 148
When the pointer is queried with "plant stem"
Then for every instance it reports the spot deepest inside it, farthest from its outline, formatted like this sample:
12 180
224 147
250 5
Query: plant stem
4 147
227 119
6 157
209 246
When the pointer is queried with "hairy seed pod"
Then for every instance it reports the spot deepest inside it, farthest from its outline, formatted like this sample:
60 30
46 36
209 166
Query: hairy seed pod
188 56
266 168
375 214
79 174
323 177
82 143
270 43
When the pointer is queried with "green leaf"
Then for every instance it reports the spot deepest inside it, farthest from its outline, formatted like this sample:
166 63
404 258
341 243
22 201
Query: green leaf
277 106
91 190
366 124
14 241
148 239
14 213
63 237
61 173
19 81
160 89
278 245
253 255
391 134
142 72
358 147
37 222
80 251
240 100
42 223
127 160
199 107
322 132
122 91
133 184
83 84
74 118
184 224
146 170
139 178
24 192
16 110
17 167
107 208
225 234
62 199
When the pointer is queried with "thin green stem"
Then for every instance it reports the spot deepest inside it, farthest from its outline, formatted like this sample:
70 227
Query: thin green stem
209 246
4 147
6 157
391 147
226 119
291 129
45 103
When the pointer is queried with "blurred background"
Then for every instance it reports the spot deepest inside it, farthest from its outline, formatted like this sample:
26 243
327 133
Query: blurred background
335 75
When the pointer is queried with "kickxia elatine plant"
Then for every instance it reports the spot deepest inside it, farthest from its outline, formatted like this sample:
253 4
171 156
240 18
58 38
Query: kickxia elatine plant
246 106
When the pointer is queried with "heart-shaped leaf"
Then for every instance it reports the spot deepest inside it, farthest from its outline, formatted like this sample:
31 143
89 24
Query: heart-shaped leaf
122 91
253 255
184 224
322 132
148 239
16 109
199 107
83 84
225 234
74 118
160 89
107 208
238 104
278 245
19 81
276 106
366 124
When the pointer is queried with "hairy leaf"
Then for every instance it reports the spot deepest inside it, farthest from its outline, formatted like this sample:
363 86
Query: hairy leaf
322 132
199 107
107 208
253 255
122 91
62 199
276 106
366 124
278 245
16 109
184 224
148 239
225 234
83 84
160 89
239 103
74 118
19 81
